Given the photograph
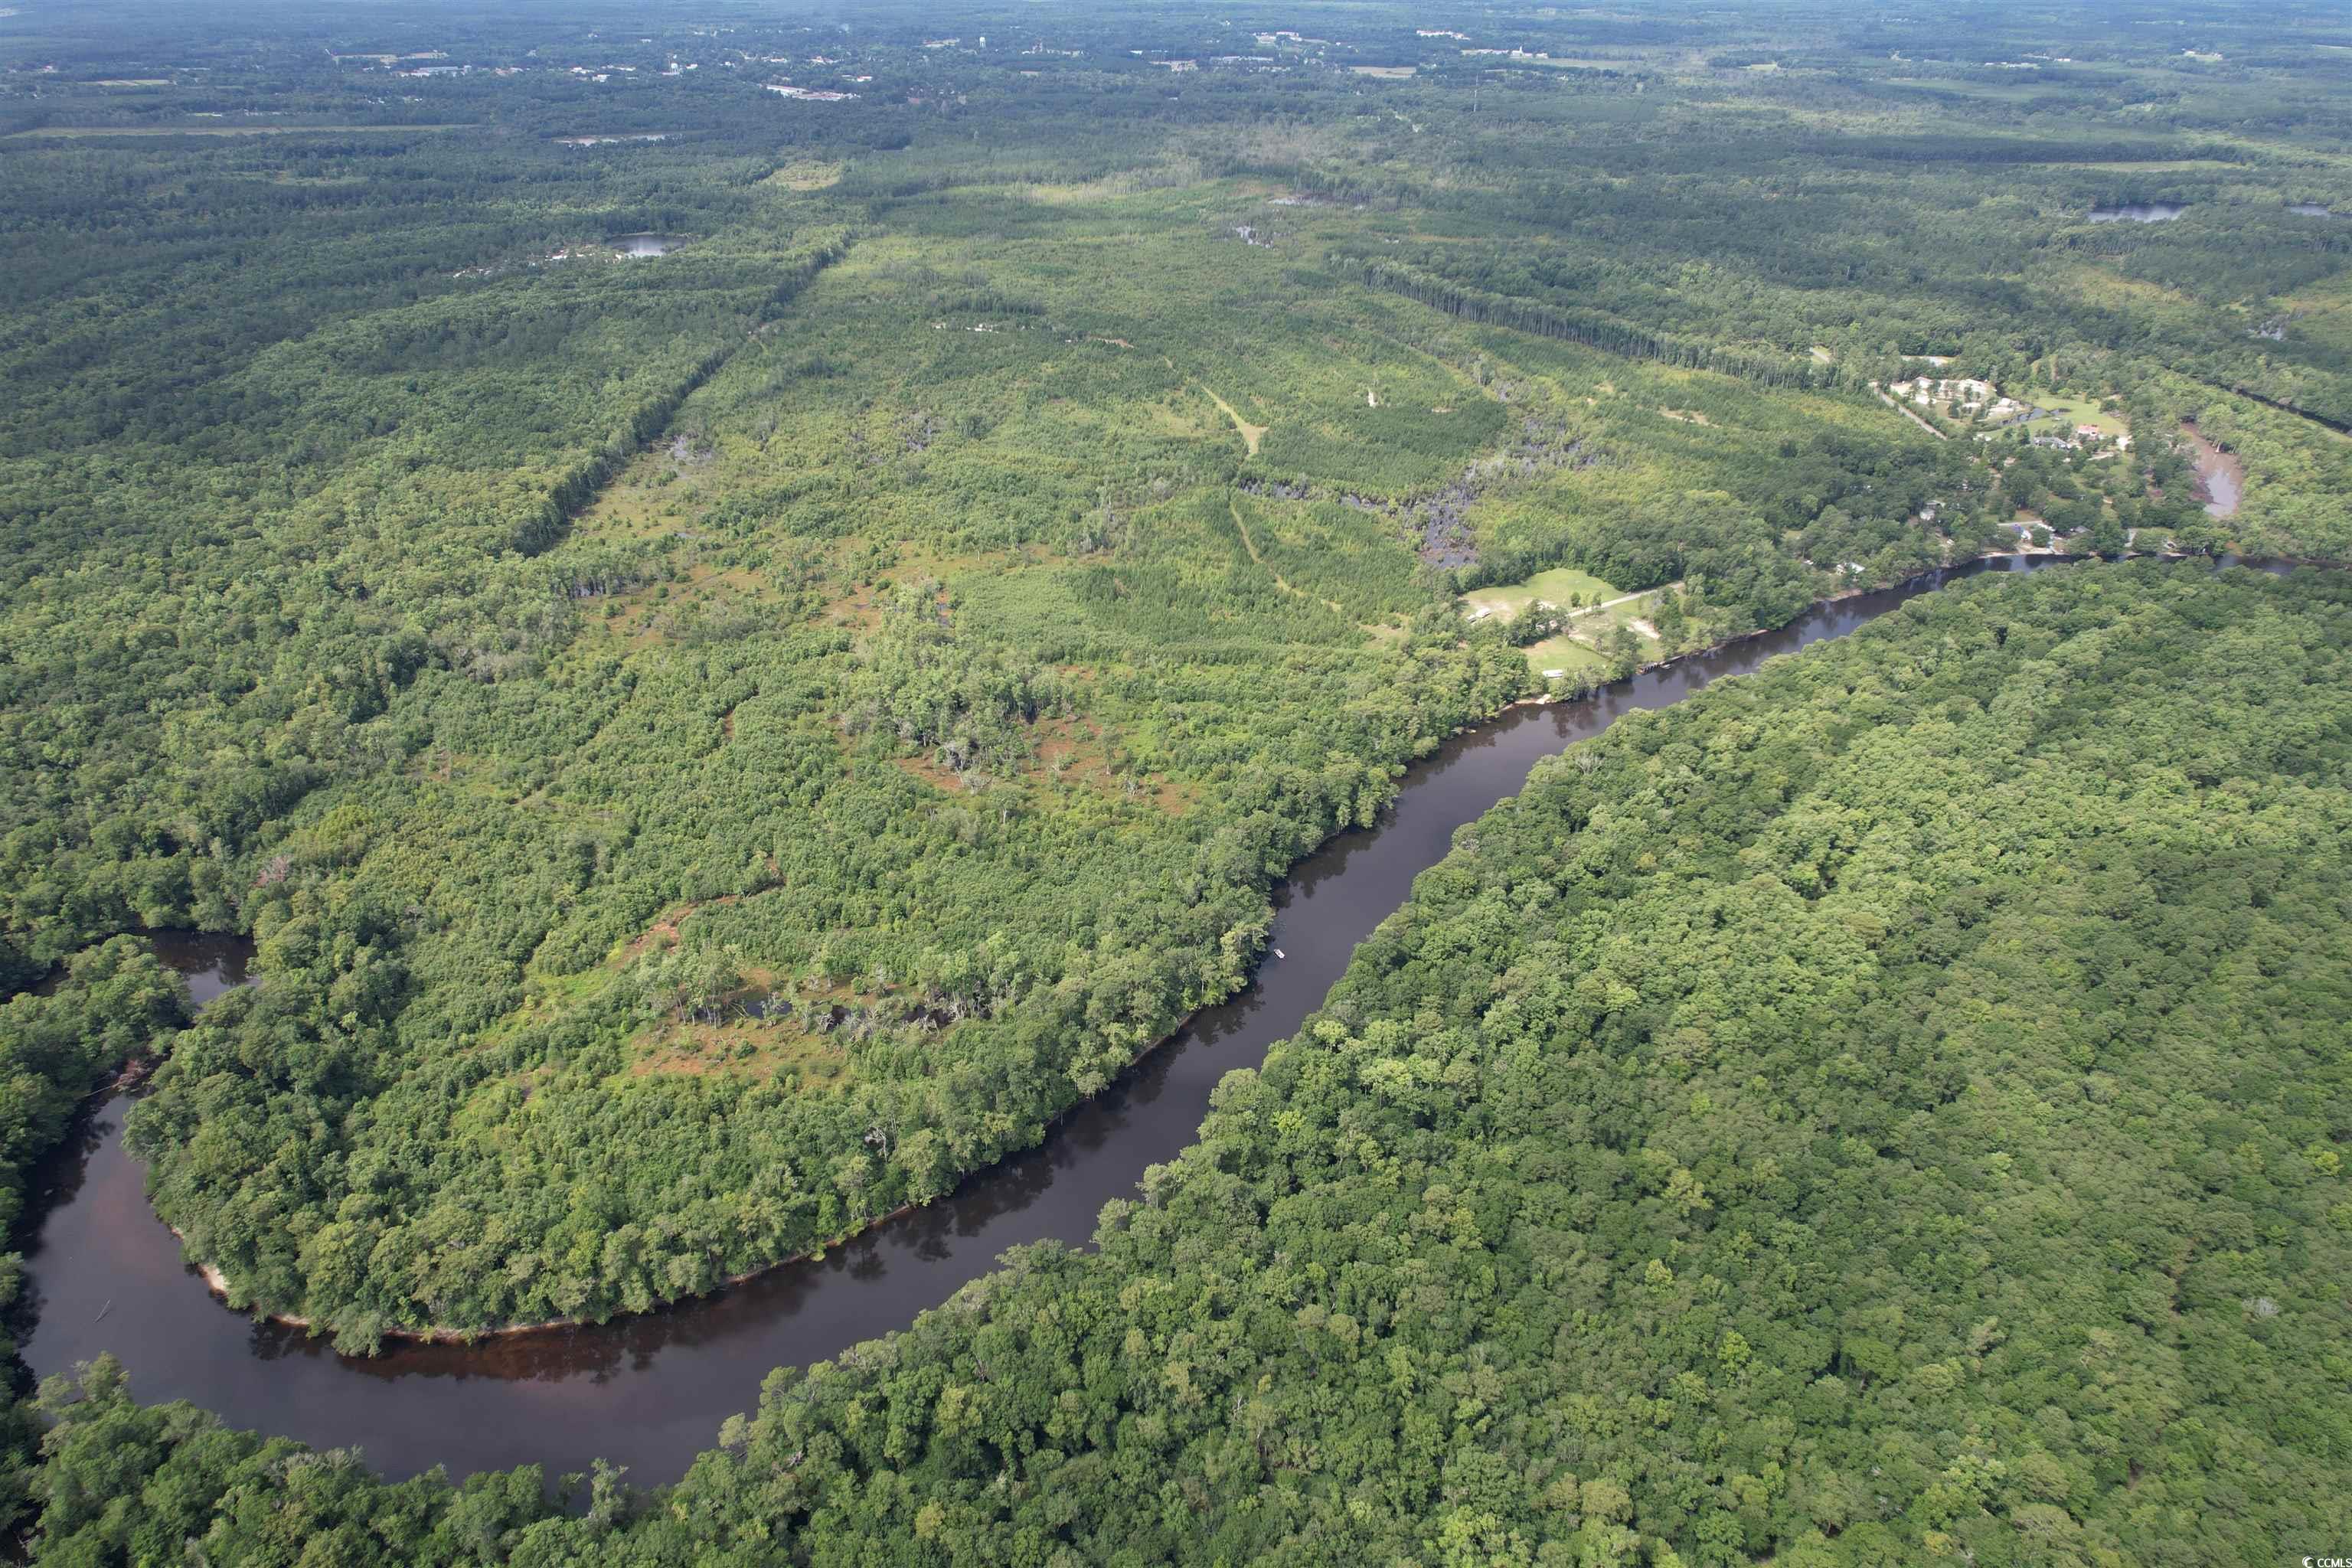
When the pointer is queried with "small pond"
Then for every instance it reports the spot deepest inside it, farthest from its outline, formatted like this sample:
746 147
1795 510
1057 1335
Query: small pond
646 244
2220 475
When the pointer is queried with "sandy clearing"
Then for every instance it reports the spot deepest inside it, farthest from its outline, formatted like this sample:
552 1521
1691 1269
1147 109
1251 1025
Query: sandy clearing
1251 434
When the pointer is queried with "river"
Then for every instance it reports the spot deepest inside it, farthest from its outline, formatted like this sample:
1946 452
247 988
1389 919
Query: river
650 1392
209 963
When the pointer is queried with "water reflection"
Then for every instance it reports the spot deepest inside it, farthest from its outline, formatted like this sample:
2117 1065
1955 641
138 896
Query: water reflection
212 963
649 1392
2220 474
643 245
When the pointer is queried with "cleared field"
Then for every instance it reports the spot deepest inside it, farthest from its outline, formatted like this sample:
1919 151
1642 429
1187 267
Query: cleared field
2066 411
805 174
1564 655
1564 586
1634 613
1590 630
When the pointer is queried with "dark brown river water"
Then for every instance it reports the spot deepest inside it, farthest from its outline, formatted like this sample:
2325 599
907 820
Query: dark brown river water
650 1392
2220 474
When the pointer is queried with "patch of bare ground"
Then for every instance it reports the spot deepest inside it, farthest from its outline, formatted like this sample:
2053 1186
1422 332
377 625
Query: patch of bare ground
859 610
1074 753
858 606
1077 750
923 768
663 932
662 613
753 1049
805 174
1251 434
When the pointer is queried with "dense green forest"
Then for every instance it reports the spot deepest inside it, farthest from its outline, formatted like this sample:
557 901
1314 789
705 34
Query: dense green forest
716 746
526 642
1886 1106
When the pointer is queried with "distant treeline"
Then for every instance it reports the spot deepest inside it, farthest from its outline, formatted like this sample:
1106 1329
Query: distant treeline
1592 328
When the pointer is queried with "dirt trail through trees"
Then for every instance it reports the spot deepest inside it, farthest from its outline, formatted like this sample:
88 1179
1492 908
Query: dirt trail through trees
1906 413
1251 434
1233 509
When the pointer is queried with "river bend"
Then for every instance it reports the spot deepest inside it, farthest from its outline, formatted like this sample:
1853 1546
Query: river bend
649 1392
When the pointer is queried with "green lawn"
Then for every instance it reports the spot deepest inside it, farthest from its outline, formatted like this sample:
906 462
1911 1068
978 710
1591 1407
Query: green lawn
1563 654
2068 411
1577 648
1553 587
1595 626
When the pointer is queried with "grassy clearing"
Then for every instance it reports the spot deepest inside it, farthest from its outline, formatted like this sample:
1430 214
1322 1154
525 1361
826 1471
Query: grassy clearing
1556 586
2005 93
1251 434
1561 655
2066 411
805 174
1579 647
2103 286
758 1049
2163 166
1633 611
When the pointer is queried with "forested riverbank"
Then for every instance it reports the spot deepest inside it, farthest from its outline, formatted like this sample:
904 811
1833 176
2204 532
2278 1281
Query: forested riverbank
1767 1116
110 1276
1773 1038
223 1287
747 614
807 715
